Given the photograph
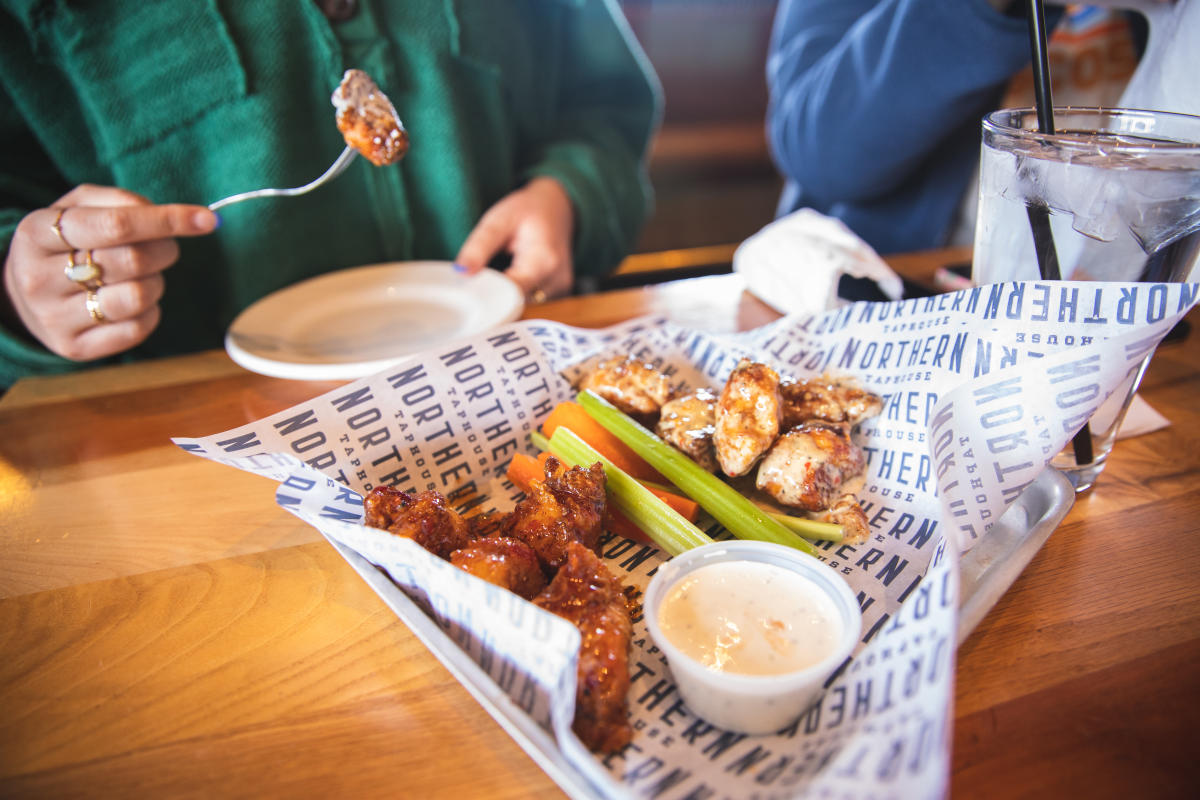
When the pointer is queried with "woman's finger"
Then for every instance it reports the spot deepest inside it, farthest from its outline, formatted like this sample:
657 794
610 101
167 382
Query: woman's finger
489 237
102 339
117 302
68 326
95 227
90 194
118 264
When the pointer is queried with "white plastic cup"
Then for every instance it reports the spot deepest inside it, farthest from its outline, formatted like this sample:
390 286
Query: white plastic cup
752 704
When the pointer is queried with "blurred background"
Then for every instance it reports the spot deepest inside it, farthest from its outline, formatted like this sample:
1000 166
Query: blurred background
713 179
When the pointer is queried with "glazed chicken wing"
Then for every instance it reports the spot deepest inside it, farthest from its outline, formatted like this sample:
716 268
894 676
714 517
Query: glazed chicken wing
568 506
504 561
831 400
368 120
809 465
587 594
688 422
633 386
748 417
425 518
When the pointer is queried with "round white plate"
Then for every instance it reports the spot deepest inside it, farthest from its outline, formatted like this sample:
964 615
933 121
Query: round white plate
358 321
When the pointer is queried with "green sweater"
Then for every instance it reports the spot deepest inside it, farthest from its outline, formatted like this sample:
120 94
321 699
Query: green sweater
192 101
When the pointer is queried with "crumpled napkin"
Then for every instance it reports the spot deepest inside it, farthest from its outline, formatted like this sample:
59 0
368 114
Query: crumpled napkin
794 263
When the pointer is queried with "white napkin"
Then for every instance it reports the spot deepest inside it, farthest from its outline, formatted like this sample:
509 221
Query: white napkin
794 263
1141 418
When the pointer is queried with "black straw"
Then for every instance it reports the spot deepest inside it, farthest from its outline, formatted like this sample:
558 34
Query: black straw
1039 215
1041 66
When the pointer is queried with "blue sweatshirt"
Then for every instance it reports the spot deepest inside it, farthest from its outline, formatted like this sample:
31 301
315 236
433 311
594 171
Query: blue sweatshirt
875 108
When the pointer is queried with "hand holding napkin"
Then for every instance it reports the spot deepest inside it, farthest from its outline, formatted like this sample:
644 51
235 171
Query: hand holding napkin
794 263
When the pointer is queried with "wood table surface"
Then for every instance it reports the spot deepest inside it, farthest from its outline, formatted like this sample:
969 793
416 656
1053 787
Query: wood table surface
166 630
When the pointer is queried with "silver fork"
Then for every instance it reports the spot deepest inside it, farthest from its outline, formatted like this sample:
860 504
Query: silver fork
335 169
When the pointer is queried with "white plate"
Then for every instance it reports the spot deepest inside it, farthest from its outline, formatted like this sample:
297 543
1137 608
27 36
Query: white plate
358 321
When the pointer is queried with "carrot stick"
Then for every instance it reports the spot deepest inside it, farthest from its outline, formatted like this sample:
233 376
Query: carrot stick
688 508
621 525
523 470
571 415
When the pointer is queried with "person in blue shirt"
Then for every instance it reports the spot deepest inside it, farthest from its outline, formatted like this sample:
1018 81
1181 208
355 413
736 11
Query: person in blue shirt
875 108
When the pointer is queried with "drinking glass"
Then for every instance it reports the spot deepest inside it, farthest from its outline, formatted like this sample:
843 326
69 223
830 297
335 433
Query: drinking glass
1116 192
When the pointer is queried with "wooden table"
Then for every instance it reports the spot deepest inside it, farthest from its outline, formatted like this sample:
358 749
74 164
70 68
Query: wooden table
167 630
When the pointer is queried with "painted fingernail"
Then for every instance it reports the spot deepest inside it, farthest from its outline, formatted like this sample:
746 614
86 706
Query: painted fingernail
459 267
207 220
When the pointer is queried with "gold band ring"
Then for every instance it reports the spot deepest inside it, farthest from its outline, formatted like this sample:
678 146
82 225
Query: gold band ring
537 296
57 228
93 307
87 275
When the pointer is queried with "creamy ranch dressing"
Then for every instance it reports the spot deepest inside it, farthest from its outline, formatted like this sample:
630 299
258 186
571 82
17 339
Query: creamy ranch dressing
750 618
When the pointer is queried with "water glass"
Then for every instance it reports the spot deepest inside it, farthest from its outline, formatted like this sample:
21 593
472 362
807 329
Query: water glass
1112 195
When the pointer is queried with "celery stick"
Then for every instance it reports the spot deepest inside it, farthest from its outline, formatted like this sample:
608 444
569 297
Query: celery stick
665 526
740 516
809 528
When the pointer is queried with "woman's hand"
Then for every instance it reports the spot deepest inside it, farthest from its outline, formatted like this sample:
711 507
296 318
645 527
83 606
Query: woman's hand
130 240
535 224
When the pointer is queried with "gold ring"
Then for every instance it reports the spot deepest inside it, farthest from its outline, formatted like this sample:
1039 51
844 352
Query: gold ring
57 228
537 296
93 307
87 275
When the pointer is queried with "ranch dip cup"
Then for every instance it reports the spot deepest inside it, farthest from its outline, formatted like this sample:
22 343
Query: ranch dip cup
751 631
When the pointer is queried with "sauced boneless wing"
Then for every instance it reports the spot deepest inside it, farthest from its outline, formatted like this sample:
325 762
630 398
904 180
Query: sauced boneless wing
368 120
748 417
425 518
554 531
688 423
587 594
567 506
828 399
503 561
809 465
631 385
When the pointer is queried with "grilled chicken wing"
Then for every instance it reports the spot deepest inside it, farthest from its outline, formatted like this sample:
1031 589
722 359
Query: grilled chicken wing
688 423
633 386
748 416
568 506
809 465
846 512
587 594
504 561
425 518
831 400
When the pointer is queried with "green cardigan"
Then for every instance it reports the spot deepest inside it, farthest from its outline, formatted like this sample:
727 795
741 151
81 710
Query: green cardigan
192 101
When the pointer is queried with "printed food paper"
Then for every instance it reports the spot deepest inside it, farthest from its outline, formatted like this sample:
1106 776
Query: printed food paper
982 387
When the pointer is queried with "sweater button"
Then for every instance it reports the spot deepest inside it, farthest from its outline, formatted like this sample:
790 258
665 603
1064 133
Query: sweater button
338 10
